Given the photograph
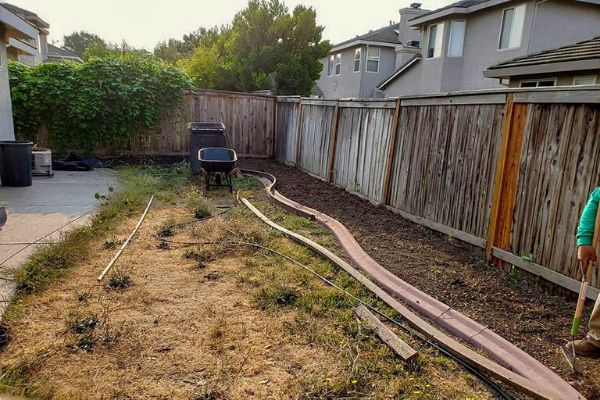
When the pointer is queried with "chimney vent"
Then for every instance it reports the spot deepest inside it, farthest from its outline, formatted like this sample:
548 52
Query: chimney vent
416 5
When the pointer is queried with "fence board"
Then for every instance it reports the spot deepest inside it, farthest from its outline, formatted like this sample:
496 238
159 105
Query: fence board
361 154
560 166
444 166
315 137
287 122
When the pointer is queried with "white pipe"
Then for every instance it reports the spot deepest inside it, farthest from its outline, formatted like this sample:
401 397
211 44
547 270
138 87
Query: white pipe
114 259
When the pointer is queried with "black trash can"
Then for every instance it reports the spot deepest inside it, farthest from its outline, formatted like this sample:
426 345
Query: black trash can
204 134
15 163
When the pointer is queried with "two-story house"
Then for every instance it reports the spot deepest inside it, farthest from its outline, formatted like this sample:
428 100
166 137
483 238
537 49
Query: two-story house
464 39
13 29
29 51
353 68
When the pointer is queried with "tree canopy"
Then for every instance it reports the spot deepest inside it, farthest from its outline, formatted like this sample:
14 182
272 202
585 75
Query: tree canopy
266 47
78 42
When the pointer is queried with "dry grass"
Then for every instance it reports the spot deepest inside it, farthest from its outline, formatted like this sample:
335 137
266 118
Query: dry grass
209 321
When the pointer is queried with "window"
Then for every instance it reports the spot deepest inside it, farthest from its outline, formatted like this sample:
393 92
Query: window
540 83
584 80
512 27
357 54
434 43
338 63
372 59
330 65
457 38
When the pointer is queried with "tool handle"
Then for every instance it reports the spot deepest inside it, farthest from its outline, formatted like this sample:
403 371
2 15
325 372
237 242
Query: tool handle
585 279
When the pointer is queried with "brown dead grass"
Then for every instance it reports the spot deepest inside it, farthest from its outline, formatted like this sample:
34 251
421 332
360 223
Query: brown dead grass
190 331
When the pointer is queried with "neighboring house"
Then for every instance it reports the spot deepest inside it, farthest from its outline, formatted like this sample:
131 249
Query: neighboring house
354 67
13 30
57 54
29 51
575 64
464 39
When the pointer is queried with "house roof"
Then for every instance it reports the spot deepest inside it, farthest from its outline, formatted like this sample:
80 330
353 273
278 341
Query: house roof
404 67
387 34
27 15
466 7
580 56
56 53
17 26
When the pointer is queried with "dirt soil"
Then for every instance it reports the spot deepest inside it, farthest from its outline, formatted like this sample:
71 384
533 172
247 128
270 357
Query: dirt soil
452 272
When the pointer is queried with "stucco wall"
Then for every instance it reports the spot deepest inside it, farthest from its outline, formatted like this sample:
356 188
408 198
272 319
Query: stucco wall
558 23
6 120
356 84
547 25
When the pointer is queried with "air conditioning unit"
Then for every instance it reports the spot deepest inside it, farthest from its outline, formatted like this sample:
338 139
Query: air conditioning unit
41 160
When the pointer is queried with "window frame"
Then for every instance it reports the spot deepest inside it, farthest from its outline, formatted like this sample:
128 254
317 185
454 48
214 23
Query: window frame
357 51
462 45
537 82
514 7
369 58
439 30
330 64
594 77
338 57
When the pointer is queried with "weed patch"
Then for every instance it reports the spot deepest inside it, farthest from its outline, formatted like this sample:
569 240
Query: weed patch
119 281
276 296
167 229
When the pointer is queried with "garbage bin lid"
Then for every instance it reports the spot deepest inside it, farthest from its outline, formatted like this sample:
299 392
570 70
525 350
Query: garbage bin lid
206 126
15 143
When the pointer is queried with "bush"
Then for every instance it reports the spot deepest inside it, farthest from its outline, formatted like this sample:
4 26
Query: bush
101 103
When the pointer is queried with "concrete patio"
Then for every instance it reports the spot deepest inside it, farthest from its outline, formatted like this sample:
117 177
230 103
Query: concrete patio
41 213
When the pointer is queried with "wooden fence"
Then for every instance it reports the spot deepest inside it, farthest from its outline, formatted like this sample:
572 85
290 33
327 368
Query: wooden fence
248 118
506 170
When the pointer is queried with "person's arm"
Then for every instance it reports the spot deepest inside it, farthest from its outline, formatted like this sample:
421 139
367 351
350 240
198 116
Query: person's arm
585 230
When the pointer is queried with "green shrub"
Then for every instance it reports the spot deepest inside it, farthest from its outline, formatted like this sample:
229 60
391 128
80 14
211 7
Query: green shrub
100 103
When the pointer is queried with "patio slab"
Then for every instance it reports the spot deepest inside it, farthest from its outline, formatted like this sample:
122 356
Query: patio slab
43 212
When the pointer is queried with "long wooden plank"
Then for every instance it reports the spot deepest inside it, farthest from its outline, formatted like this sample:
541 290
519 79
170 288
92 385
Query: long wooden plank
499 176
400 347
332 143
469 356
551 276
391 156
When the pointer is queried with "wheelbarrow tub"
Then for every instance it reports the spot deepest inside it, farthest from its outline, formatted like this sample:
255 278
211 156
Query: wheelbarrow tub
217 159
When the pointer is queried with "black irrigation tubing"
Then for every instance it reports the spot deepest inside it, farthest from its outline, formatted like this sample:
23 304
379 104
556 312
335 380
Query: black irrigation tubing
484 378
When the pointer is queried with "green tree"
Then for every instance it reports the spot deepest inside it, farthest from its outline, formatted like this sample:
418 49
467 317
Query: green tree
173 50
78 42
266 47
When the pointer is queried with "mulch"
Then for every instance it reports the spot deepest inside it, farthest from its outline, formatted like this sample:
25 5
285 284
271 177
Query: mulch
512 305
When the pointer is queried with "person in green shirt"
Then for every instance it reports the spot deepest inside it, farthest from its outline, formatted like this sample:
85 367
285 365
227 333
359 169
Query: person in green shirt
590 346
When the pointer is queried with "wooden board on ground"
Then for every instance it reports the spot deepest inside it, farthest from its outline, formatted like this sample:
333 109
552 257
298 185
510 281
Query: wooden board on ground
405 352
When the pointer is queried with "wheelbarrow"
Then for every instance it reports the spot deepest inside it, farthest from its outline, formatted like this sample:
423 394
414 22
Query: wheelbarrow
217 164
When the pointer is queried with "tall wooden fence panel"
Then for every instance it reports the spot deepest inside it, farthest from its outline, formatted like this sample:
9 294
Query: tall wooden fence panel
315 134
363 137
444 166
560 166
288 114
249 119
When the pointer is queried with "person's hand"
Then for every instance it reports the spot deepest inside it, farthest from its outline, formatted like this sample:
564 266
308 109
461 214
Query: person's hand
585 255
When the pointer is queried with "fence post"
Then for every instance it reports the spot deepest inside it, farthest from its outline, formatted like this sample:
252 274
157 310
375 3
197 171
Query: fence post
391 156
506 178
333 142
275 152
298 135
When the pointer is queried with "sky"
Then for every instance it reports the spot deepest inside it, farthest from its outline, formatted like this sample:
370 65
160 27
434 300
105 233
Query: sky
144 23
